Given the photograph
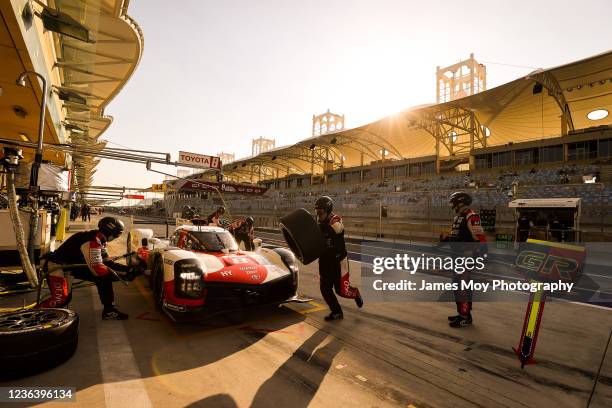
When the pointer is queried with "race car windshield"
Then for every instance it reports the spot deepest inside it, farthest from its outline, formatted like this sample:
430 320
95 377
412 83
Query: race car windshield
215 241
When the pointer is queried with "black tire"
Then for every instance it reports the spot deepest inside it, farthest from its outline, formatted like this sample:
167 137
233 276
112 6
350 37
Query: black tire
157 276
36 340
303 236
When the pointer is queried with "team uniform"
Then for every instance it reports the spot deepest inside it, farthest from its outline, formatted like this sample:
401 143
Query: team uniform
465 228
333 265
83 256
215 218
243 232
87 248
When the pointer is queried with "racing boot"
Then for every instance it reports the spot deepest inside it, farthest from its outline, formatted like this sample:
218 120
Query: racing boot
334 316
112 313
461 321
359 300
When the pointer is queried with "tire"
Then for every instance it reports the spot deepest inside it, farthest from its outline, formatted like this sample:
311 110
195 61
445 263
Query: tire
157 276
303 236
36 340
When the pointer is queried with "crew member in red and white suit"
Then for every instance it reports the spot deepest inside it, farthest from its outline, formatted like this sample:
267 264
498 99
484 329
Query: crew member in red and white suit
466 238
333 263
83 256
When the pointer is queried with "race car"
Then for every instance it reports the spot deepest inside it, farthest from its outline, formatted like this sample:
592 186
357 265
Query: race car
200 271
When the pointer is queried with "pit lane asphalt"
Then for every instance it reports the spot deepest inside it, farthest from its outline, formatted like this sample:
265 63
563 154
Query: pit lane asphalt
386 354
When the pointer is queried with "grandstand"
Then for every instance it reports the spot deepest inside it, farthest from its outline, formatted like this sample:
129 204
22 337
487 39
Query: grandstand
541 135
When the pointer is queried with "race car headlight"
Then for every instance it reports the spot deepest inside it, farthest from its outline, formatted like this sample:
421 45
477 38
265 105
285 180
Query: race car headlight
188 281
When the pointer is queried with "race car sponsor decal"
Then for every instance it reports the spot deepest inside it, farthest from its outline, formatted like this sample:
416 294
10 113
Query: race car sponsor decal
237 259
168 261
226 273
173 307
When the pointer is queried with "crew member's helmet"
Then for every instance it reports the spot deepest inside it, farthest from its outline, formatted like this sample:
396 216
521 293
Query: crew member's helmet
324 203
111 227
249 220
458 198
221 210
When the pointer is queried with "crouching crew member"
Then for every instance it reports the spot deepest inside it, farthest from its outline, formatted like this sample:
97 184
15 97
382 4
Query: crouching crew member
466 228
334 260
215 218
244 231
86 250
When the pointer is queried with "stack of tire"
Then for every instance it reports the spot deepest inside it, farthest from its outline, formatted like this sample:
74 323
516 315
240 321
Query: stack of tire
35 340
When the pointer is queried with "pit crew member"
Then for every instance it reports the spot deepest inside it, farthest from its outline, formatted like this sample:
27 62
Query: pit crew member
83 256
244 231
334 263
214 218
466 228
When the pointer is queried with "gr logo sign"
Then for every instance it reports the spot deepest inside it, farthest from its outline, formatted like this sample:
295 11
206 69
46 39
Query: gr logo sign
548 267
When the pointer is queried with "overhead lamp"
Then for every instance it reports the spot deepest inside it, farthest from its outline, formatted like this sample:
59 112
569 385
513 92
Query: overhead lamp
24 137
74 128
62 23
71 96
20 111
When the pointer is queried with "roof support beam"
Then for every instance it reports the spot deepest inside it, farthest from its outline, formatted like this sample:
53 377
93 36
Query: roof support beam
548 81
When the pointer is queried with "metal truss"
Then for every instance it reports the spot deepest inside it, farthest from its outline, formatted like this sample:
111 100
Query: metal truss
548 81
455 128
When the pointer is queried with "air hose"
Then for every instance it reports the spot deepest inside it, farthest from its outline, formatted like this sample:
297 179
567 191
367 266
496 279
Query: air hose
28 268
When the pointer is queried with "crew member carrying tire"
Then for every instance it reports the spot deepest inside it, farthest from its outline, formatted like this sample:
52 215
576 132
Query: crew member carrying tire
465 229
87 249
333 262
244 231
214 218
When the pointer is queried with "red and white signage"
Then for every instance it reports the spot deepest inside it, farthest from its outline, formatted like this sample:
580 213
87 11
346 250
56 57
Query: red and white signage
199 160
134 196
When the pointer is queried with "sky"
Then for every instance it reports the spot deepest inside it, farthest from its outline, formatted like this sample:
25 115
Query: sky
216 74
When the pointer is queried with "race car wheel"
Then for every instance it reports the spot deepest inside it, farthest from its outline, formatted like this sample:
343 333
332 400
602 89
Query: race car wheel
303 236
157 275
36 340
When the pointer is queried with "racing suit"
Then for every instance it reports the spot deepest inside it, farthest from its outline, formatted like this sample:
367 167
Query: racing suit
332 262
466 228
243 232
86 249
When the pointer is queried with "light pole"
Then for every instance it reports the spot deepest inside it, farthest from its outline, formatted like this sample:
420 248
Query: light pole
37 160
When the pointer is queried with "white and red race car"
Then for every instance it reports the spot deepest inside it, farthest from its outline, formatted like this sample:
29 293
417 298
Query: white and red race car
200 271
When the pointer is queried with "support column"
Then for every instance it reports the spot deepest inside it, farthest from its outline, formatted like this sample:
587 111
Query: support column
438 155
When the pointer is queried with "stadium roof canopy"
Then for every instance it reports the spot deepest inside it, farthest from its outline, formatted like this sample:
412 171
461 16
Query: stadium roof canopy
83 74
544 104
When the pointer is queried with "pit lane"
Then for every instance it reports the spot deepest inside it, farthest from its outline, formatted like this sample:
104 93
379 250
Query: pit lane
386 354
